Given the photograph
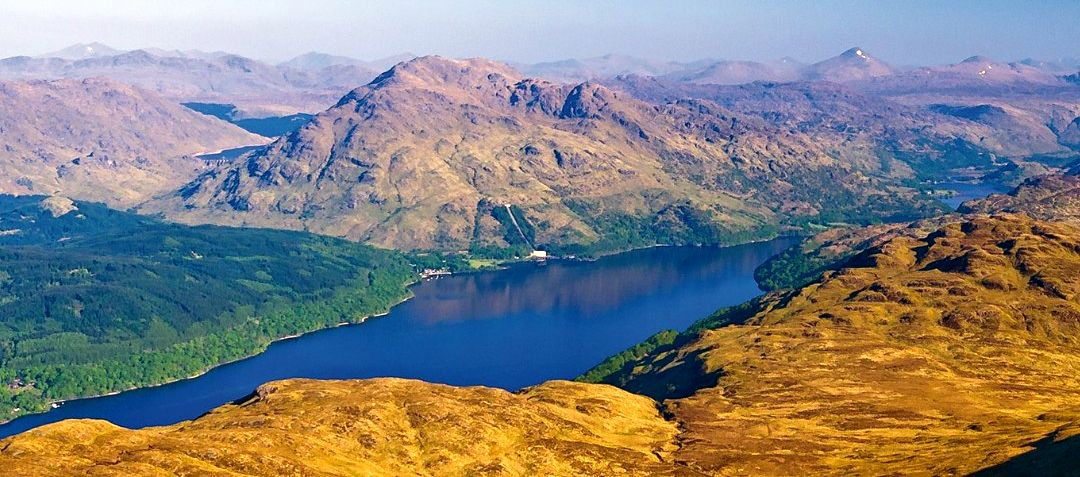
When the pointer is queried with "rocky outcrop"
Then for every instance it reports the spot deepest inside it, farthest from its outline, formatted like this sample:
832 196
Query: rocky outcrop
406 160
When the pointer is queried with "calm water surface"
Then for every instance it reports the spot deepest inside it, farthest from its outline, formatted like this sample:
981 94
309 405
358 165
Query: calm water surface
966 191
509 329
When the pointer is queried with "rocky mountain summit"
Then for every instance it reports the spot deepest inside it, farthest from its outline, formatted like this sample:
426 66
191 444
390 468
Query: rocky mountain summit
420 156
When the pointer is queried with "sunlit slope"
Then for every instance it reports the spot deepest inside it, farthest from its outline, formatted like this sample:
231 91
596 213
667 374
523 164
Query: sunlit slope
378 427
945 354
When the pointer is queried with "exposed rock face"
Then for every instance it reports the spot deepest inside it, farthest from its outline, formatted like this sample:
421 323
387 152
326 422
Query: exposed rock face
58 206
409 159
945 354
101 140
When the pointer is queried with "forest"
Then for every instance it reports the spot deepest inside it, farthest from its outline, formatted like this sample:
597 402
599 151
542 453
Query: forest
95 300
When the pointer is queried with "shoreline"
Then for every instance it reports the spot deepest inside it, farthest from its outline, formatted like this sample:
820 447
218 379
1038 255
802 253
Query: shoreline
52 405
417 281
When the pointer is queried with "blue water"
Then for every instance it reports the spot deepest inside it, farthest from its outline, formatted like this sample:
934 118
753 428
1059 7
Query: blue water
227 154
966 191
509 329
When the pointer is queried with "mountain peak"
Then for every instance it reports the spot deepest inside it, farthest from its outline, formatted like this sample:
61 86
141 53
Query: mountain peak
81 51
434 69
978 59
855 52
854 64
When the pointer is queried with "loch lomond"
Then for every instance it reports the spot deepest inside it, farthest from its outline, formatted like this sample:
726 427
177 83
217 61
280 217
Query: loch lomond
510 328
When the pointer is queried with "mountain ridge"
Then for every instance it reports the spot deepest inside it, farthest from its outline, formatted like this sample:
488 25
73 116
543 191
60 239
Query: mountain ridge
485 134
102 140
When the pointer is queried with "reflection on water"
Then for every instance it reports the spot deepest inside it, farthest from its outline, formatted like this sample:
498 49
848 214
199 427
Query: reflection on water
580 289
510 328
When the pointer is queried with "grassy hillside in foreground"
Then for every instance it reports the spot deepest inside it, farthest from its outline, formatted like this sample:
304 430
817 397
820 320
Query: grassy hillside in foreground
93 300
946 354
940 354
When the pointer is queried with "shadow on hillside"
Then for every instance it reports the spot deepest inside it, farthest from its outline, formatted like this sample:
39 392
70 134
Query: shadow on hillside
1048 458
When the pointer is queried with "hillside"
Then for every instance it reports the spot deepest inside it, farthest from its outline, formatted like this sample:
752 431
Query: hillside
1028 109
945 354
1052 197
376 427
737 72
96 300
425 156
964 339
101 140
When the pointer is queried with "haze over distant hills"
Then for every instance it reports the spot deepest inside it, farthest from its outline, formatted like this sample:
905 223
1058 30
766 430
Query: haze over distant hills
102 140
313 81
716 147
902 337
305 84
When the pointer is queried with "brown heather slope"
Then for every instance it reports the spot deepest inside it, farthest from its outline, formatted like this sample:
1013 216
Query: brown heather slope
418 158
940 355
377 427
1054 197
101 140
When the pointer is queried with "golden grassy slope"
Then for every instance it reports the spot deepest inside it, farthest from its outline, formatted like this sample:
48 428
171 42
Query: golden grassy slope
385 427
944 354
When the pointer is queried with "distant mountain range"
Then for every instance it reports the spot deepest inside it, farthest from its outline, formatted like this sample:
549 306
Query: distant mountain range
102 140
430 153
425 156
853 65
313 81
306 84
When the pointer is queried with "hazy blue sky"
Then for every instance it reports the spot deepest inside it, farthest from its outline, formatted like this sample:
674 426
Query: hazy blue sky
903 32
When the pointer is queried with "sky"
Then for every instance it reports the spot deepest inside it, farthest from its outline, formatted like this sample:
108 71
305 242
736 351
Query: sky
908 32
